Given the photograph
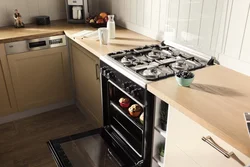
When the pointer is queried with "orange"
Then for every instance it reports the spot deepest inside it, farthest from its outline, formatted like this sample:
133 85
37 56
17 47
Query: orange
103 15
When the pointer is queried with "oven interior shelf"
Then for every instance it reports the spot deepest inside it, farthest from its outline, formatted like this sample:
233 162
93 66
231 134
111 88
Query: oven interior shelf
125 113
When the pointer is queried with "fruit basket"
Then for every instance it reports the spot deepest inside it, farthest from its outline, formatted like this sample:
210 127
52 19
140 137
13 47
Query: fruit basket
98 21
95 25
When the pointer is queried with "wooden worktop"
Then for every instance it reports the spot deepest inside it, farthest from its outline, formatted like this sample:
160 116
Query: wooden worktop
217 100
125 39
32 31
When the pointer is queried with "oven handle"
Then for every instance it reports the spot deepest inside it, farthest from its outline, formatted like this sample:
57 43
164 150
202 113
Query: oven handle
143 106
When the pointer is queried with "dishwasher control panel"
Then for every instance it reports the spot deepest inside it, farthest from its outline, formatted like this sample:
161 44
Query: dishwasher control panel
35 44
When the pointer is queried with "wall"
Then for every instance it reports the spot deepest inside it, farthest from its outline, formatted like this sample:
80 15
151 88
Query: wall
30 8
236 49
193 23
214 27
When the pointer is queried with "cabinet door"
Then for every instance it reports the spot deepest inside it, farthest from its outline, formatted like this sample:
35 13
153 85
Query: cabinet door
87 81
187 136
7 98
5 103
41 77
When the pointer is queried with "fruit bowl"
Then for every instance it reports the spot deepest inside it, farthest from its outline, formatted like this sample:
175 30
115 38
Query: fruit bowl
184 78
98 21
98 25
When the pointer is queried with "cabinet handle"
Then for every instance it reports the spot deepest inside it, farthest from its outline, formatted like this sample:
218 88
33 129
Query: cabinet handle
96 71
209 140
227 154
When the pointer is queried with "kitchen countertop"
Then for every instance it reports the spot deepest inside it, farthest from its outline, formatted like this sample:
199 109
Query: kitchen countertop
217 100
125 39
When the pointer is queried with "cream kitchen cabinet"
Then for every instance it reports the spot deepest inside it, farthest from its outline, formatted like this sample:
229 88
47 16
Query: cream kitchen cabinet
185 146
7 97
41 77
85 67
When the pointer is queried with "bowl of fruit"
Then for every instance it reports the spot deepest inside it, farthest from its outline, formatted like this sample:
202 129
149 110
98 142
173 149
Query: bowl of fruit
98 21
184 78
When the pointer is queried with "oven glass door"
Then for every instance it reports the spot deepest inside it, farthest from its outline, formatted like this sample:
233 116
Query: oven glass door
86 149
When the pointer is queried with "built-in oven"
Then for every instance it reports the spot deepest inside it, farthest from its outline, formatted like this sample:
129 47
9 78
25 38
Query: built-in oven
133 133
125 138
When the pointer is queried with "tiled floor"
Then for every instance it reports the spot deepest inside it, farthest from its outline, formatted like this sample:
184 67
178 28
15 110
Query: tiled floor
23 142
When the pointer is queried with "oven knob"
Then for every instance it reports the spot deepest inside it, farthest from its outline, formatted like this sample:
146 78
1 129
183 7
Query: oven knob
129 89
125 85
111 76
105 72
134 92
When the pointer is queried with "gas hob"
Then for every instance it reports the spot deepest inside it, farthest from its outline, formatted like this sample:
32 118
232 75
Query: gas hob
155 62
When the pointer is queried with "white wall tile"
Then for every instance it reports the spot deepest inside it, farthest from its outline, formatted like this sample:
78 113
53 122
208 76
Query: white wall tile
183 21
147 13
140 12
133 11
194 21
236 27
127 10
155 16
245 51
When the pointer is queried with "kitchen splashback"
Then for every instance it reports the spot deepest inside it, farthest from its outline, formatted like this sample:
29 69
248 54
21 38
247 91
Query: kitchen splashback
30 8
193 23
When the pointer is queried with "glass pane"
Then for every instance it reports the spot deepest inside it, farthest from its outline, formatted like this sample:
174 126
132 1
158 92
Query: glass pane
90 151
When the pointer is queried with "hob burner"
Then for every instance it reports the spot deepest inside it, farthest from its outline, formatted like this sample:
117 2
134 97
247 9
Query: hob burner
154 62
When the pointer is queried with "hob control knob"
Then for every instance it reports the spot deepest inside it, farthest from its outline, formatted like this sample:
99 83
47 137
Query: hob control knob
125 85
105 72
110 75
129 89
134 92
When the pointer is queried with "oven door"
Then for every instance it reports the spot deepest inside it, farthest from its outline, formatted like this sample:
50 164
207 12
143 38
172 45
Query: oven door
89 149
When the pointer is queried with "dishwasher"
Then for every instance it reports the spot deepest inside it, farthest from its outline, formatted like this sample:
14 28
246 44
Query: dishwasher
40 71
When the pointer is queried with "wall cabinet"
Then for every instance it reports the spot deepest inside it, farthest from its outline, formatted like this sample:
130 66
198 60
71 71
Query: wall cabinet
85 67
7 98
41 77
184 143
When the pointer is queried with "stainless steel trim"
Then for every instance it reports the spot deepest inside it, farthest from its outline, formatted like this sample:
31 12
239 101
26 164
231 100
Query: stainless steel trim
188 50
23 46
126 72
143 106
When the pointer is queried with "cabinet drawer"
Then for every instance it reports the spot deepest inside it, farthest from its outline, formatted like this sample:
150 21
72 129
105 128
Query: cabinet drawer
177 158
188 135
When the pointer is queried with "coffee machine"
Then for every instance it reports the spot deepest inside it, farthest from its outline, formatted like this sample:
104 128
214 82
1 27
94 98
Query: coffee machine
77 11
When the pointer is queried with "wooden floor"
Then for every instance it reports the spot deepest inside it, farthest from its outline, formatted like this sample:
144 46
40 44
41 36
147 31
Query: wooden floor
23 142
